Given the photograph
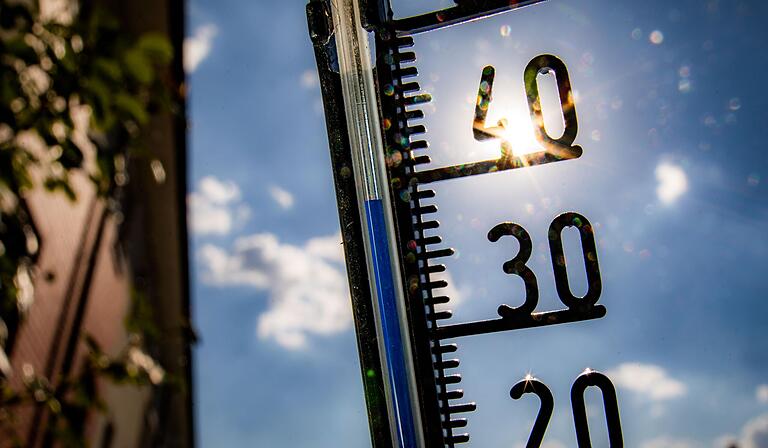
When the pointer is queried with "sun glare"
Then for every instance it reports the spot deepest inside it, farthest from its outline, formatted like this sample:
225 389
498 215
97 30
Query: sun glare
517 135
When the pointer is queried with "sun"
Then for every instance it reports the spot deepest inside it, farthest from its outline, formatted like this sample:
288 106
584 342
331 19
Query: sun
514 132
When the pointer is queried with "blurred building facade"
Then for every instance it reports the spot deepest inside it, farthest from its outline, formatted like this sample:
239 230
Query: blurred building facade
95 263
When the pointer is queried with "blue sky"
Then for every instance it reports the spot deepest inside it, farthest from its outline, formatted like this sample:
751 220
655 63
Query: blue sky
673 177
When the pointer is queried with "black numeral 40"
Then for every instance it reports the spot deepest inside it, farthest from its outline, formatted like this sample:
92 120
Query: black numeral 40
560 148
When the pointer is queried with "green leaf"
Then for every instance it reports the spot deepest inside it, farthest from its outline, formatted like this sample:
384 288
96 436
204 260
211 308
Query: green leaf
157 47
139 66
97 95
109 68
131 106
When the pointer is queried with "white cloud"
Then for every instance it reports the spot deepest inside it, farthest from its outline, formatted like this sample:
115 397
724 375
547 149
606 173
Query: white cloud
308 292
198 46
761 393
206 217
328 248
309 79
755 433
306 284
214 208
451 291
218 191
673 182
282 197
667 442
650 381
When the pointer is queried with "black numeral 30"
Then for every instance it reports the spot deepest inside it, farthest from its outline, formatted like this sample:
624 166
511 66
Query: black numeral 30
518 264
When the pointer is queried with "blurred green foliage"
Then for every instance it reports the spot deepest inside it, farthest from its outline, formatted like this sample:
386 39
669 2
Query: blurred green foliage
74 97
72 398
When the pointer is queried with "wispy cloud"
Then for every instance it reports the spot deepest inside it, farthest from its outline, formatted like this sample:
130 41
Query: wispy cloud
307 287
282 197
754 434
672 182
198 46
215 207
648 380
309 79
761 393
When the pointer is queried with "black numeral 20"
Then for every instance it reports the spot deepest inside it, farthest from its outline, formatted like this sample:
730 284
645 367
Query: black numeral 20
586 379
